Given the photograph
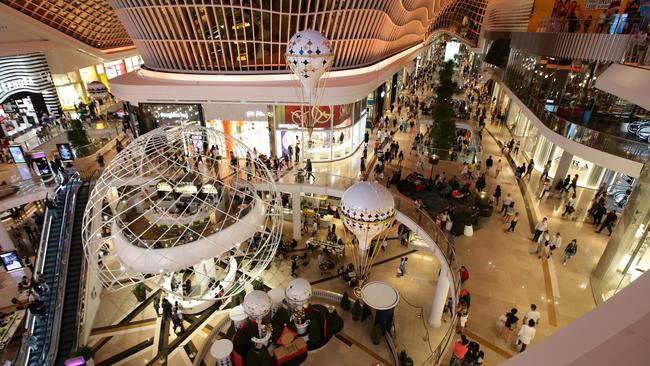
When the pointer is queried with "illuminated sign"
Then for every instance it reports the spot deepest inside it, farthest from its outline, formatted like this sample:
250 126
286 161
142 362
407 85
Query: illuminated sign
172 115
251 114
10 85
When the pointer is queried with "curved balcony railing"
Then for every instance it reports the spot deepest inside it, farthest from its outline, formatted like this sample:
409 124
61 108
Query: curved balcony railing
619 146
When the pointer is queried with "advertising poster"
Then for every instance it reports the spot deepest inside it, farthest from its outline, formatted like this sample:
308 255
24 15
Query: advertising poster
65 152
17 154
42 165
11 261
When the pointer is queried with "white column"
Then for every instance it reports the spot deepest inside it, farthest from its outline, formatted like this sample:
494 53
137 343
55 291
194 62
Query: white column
296 215
439 299
5 240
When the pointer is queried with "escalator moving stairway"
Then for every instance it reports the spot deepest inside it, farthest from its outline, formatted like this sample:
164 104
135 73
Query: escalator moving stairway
49 270
70 315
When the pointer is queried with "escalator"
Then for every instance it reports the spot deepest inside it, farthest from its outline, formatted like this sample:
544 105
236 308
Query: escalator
49 265
69 330
61 260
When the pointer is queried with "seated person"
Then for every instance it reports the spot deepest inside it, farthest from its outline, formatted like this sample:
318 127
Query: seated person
458 194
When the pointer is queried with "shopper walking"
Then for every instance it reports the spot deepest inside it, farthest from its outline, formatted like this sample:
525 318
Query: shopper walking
574 183
546 189
540 228
554 244
542 243
513 223
506 202
610 219
488 164
532 314
570 251
497 193
509 324
309 169
526 335
498 169
547 168
459 352
569 205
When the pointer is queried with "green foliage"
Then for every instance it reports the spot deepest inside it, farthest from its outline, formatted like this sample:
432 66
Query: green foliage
258 285
463 216
77 134
242 342
444 128
252 359
334 322
375 334
85 352
265 357
356 310
140 292
404 359
315 332
280 318
345 302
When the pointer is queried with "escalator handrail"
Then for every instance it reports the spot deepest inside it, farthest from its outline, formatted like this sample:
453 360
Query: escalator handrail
82 286
23 354
61 275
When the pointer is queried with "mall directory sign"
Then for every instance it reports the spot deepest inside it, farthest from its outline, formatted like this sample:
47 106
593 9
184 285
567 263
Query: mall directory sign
17 154
65 152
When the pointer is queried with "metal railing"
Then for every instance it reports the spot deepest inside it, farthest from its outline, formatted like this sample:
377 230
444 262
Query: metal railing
605 25
615 145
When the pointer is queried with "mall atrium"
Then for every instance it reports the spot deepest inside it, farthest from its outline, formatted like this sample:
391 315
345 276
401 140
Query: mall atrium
324 182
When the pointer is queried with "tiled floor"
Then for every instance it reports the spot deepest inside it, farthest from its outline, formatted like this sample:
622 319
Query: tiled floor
503 274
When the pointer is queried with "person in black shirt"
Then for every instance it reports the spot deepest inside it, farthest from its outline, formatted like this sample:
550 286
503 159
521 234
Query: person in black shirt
510 324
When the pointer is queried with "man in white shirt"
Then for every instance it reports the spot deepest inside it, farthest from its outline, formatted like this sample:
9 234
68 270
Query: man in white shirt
540 228
526 334
506 202
532 314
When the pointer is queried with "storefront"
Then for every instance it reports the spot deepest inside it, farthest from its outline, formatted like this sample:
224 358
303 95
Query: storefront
338 130
152 116
71 86
248 123
27 94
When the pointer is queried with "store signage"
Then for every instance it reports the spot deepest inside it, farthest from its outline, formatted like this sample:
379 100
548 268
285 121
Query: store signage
43 166
172 115
17 154
10 261
252 114
7 86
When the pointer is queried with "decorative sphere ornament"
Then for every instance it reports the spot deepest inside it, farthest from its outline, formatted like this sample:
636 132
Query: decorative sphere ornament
257 304
367 209
169 210
298 292
97 90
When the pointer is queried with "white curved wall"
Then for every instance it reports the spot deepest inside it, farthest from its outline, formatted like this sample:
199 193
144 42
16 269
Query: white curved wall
149 260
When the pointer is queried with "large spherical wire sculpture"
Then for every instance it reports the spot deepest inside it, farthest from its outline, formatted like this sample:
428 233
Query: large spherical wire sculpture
178 209
310 56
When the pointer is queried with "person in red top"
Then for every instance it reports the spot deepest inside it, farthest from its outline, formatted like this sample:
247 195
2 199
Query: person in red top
464 274
460 349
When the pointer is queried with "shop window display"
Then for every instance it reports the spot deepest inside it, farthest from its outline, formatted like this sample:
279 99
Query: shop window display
253 133
337 132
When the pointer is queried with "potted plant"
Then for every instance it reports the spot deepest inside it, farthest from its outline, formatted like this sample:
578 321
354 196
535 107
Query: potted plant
87 353
375 335
258 285
461 219
356 310
140 292
345 301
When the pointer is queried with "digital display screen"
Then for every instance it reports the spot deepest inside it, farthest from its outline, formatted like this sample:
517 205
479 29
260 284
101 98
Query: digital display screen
17 154
65 152
11 261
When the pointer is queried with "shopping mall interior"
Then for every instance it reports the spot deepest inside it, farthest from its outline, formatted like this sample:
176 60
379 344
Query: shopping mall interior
324 182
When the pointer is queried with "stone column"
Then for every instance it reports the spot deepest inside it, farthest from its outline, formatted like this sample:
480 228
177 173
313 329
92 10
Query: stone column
563 167
296 215
439 299
5 240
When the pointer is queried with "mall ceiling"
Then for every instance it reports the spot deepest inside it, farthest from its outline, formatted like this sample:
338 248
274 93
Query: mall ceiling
207 36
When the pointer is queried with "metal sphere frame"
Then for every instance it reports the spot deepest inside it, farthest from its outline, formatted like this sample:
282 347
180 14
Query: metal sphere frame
208 224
